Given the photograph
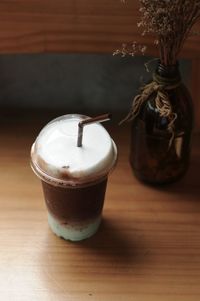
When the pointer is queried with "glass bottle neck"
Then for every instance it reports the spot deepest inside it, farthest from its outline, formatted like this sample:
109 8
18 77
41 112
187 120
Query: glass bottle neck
169 72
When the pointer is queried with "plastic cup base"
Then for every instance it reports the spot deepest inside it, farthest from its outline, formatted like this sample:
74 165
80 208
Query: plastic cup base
73 232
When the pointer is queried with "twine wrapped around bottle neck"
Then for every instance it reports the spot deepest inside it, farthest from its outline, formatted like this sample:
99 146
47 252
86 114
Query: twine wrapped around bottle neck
161 86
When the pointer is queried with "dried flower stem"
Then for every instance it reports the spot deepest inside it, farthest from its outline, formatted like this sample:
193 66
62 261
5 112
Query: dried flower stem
170 22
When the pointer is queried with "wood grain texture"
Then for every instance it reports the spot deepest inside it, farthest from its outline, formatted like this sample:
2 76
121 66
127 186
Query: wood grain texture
147 249
73 26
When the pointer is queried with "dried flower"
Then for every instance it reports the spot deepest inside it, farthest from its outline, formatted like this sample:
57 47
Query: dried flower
170 22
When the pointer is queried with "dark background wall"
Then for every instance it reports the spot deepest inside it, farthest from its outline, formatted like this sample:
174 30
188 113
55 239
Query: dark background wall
77 82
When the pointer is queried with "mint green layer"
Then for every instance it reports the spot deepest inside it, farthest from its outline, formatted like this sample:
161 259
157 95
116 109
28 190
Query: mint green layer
73 233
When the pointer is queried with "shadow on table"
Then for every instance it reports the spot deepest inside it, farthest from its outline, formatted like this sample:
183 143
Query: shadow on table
189 186
113 248
113 253
116 245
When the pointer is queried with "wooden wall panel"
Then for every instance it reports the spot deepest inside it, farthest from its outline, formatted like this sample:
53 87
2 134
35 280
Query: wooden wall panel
73 26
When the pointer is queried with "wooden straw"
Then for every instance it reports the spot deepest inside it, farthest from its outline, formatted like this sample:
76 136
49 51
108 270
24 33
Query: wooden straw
87 121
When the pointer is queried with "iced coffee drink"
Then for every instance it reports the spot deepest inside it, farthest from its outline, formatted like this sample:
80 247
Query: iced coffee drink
74 177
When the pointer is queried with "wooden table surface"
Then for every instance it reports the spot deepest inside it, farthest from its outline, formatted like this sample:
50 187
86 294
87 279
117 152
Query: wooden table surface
147 248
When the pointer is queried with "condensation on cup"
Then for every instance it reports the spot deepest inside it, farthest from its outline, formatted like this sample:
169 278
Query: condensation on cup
73 178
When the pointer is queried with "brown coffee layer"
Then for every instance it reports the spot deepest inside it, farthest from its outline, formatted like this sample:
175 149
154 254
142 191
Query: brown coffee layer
75 204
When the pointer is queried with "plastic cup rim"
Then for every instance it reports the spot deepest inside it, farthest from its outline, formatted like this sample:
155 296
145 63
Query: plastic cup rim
89 181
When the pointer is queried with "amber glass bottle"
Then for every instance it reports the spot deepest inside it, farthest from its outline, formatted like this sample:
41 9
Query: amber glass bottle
155 157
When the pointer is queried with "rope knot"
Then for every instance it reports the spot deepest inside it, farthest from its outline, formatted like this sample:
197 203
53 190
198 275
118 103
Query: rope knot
161 86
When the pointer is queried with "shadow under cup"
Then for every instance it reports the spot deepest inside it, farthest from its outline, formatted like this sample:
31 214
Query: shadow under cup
74 213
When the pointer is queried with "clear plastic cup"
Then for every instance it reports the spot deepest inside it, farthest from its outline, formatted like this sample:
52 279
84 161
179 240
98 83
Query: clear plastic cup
73 178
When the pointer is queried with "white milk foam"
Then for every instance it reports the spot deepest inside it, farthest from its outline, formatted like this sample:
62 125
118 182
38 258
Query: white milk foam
57 147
